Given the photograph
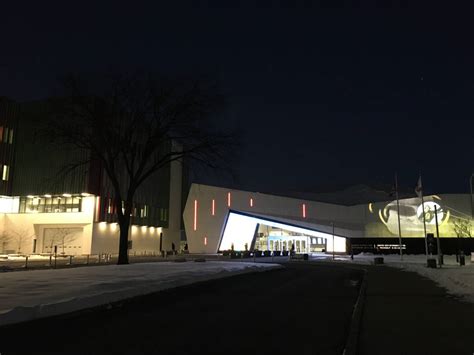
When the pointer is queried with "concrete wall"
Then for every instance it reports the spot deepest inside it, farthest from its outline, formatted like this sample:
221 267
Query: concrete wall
106 239
23 228
173 233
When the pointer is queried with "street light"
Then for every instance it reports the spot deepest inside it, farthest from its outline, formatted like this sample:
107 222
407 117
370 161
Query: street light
472 202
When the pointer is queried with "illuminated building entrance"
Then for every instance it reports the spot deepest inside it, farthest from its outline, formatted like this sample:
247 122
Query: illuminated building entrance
247 232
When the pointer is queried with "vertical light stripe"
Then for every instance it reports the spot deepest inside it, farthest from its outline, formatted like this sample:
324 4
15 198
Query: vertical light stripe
195 214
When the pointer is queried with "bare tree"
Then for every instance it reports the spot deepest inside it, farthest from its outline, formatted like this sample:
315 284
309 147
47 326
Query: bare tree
62 237
5 239
462 227
21 237
135 126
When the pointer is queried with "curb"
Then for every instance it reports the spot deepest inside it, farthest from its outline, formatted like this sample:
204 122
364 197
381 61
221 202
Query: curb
353 337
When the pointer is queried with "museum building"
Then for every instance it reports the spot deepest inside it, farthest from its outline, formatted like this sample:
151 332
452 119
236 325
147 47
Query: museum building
217 219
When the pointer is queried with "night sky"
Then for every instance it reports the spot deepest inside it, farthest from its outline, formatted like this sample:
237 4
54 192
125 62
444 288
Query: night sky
325 97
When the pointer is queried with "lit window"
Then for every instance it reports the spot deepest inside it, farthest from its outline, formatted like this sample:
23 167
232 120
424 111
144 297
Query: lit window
251 202
304 210
228 199
213 209
5 173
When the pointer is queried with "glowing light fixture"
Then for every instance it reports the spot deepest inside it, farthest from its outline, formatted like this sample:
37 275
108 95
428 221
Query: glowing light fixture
67 195
30 196
195 214
85 194
47 195
213 208
303 207
251 202
370 208
205 240
228 199
102 226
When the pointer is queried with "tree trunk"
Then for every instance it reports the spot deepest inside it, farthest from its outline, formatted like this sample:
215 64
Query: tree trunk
123 246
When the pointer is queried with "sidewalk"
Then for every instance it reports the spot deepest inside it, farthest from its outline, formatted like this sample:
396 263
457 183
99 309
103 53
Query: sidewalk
405 313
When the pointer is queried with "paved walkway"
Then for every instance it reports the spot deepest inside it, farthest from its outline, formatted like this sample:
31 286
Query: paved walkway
405 313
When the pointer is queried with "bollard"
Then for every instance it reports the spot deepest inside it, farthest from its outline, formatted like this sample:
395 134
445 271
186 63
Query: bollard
87 259
50 261
26 262
70 259
55 260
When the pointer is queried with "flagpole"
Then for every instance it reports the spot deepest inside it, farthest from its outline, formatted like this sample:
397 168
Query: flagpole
424 218
398 212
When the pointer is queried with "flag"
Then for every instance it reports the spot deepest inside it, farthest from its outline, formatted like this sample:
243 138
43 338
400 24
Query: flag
393 192
419 188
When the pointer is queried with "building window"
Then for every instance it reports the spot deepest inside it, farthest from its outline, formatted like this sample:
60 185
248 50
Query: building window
56 204
11 136
5 173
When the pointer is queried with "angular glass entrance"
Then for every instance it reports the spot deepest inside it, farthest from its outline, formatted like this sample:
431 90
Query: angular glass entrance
246 232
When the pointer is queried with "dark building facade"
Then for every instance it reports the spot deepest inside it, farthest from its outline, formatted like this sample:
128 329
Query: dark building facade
35 168
8 130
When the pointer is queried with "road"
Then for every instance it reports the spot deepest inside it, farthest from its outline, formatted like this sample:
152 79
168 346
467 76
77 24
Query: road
302 309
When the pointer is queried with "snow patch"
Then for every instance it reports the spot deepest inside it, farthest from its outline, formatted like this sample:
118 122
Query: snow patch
35 294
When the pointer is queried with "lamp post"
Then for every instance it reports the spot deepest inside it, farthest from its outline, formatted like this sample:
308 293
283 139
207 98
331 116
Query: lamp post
472 202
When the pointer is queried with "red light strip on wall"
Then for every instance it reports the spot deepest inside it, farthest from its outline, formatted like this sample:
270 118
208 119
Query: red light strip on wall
195 214
213 208
228 199
304 210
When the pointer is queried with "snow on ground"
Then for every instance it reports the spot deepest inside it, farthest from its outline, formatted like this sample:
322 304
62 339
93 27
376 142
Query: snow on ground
457 280
35 294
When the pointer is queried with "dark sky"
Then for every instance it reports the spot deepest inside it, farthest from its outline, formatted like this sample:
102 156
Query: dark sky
325 96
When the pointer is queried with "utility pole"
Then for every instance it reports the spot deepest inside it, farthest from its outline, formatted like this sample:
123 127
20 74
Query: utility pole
440 255
472 201
398 213
333 241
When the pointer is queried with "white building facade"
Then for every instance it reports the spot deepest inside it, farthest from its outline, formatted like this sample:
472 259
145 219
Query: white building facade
218 219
